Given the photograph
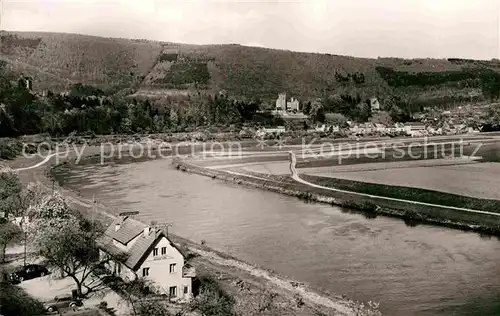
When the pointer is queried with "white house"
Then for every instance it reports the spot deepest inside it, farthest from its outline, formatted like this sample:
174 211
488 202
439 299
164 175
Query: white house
415 129
321 128
399 127
293 104
265 130
374 104
137 250
380 128
281 102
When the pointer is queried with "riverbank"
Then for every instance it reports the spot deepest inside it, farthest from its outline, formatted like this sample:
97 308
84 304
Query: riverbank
254 288
371 206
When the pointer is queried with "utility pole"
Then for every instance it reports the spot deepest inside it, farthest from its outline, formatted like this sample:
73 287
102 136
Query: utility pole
23 228
94 207
162 226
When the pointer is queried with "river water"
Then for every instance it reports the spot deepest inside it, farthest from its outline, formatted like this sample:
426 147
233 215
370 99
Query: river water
422 270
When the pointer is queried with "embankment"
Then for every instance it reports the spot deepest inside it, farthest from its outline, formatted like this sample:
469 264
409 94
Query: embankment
413 214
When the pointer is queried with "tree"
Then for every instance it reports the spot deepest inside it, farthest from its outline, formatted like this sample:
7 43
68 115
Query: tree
307 108
317 113
247 110
382 117
10 191
9 233
336 119
15 301
67 241
213 300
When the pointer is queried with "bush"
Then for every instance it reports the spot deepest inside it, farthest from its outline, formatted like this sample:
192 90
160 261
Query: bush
14 301
10 148
212 299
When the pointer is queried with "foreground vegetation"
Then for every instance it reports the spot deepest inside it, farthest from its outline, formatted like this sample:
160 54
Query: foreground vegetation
15 301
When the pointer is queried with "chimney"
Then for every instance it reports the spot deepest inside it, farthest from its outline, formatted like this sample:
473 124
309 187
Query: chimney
117 226
147 229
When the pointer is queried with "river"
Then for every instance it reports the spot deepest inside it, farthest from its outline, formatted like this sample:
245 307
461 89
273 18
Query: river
422 270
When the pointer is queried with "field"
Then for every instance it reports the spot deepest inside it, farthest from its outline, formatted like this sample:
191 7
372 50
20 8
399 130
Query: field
479 180
381 166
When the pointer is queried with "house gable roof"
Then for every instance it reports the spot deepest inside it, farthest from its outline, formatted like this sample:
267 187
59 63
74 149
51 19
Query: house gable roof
141 248
129 229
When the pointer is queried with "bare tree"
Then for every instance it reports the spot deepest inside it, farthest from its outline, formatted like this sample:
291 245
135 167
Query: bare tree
67 241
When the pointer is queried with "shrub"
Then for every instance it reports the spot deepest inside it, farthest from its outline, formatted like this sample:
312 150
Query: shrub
14 301
213 300
10 148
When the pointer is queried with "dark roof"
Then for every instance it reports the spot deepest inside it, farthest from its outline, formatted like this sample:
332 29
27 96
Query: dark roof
414 124
129 229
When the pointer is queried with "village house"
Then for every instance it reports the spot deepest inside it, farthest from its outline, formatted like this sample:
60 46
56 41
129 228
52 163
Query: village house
374 104
380 128
28 82
472 130
136 250
362 128
283 105
269 130
399 127
415 129
334 128
434 131
293 105
327 128
281 102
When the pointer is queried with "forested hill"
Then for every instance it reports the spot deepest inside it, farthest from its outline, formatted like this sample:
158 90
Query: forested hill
57 60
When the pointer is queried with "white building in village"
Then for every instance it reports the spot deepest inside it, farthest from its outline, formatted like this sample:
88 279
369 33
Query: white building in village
374 104
281 102
138 251
283 105
292 105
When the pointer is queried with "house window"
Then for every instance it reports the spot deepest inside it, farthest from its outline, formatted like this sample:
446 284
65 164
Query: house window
163 250
172 268
173 291
185 290
145 272
155 252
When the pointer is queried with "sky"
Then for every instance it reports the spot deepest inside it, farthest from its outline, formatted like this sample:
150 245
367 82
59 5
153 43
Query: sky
362 28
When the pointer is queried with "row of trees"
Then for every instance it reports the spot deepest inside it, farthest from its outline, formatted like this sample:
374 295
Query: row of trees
486 79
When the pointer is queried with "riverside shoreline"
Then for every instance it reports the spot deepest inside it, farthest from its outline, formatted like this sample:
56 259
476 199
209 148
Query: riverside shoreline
249 284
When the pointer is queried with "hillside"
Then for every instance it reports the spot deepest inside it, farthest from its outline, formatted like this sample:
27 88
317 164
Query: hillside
56 60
